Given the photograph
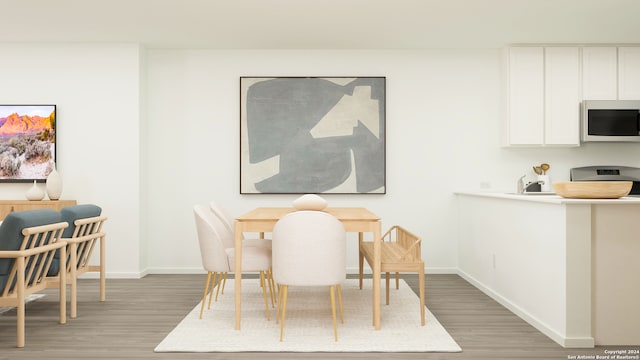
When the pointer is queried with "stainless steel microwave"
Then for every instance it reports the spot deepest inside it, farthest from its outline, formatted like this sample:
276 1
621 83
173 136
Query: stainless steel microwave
611 120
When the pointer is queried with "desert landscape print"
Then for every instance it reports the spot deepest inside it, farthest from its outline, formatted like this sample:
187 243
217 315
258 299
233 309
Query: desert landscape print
27 142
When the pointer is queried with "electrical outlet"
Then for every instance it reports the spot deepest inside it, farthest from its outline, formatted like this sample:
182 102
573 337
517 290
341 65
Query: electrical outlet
485 185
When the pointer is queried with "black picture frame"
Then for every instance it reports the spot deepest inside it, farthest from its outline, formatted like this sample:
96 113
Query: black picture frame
302 135
27 142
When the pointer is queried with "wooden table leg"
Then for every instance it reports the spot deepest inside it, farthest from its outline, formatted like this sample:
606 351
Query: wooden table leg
377 256
238 270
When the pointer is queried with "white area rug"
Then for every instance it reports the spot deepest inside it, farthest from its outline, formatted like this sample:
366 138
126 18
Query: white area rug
28 299
309 326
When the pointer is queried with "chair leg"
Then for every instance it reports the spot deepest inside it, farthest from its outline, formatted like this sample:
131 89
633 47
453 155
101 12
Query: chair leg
263 285
204 294
360 266
73 312
332 290
387 286
278 303
284 292
224 282
397 280
271 287
340 302
103 272
20 323
421 280
21 305
215 281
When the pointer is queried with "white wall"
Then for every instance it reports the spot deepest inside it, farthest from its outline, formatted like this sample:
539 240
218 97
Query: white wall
96 90
443 135
165 136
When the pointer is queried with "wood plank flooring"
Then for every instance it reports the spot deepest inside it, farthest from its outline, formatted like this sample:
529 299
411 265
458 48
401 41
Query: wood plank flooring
139 313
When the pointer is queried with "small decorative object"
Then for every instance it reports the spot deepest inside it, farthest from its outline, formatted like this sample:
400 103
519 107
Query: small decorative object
310 202
54 184
35 193
545 183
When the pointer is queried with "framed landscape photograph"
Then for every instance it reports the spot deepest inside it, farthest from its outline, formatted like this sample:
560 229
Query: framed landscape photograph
317 135
27 142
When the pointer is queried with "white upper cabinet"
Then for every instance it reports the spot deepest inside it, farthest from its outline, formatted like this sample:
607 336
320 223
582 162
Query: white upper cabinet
629 73
543 96
599 73
562 96
611 73
525 96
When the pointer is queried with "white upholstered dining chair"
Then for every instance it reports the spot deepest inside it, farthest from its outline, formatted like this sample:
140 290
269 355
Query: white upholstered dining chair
229 222
309 250
218 254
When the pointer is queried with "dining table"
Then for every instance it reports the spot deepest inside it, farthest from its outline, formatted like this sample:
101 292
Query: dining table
354 219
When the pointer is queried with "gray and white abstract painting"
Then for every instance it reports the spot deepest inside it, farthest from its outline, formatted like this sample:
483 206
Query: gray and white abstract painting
312 135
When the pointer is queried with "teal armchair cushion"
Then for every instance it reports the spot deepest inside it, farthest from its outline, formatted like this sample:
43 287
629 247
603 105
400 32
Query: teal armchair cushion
72 213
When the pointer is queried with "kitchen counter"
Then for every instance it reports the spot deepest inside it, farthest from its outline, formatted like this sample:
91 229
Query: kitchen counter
563 265
552 199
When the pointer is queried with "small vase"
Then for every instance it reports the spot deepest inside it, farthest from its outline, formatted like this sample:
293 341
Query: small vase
54 185
35 193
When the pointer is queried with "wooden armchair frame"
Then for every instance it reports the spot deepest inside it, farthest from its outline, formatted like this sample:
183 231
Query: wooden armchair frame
28 273
401 252
80 246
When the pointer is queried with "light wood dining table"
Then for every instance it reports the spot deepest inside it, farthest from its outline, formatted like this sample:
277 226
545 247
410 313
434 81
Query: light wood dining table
358 220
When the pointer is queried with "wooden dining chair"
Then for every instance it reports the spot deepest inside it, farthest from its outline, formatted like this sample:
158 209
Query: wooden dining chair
401 252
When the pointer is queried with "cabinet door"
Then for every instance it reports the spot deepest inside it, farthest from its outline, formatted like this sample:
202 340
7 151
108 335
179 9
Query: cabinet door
599 73
629 73
525 92
562 96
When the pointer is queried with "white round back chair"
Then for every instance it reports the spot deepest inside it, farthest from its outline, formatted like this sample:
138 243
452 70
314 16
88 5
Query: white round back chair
218 257
309 249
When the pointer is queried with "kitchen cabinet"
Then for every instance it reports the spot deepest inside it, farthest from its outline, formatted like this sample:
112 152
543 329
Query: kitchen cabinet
629 73
575 279
562 96
611 73
600 73
543 96
525 100
9 206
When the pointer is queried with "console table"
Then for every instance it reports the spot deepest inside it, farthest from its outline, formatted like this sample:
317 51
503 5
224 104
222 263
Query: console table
9 206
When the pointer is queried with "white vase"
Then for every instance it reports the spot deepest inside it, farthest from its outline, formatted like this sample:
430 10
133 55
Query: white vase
35 193
54 185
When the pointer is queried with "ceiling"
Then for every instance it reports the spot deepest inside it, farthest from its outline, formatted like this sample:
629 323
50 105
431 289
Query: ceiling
321 24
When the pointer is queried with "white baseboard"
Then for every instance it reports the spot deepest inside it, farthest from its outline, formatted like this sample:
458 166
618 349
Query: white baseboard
567 342
199 270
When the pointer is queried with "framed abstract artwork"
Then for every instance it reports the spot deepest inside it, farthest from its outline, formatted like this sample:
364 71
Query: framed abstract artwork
27 142
303 135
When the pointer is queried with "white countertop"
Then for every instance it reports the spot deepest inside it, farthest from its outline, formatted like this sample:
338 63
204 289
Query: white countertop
551 199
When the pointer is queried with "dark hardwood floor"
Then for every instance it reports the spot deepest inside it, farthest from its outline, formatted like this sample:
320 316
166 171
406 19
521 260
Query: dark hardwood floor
139 313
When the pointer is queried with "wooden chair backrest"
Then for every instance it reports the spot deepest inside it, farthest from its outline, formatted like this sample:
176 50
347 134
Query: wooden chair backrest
35 256
407 241
87 233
